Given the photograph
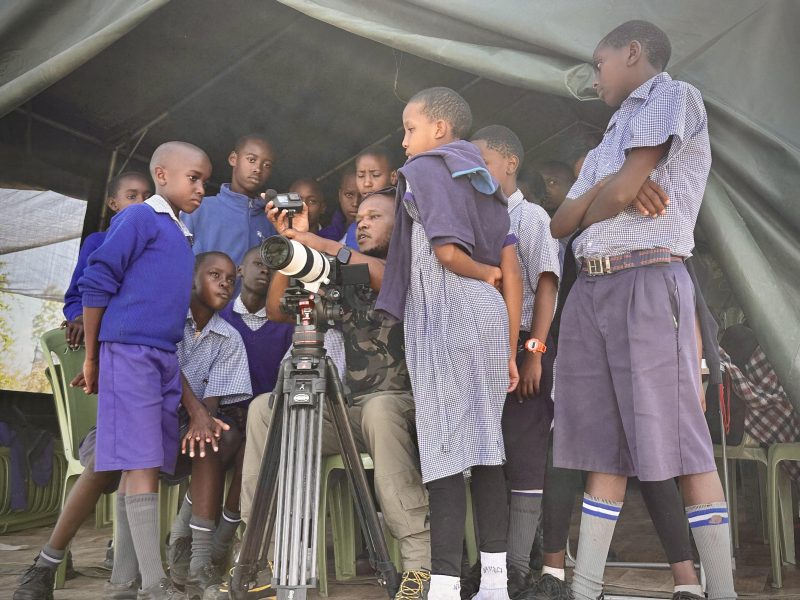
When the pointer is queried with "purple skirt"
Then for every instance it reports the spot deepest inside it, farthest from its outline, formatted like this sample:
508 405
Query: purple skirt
139 390
627 391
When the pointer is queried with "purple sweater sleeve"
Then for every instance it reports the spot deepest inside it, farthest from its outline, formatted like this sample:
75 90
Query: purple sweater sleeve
445 215
73 305
125 241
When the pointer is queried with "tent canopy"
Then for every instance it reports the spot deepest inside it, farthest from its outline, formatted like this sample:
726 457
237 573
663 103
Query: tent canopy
325 78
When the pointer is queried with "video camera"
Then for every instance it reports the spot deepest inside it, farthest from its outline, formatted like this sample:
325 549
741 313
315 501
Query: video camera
309 270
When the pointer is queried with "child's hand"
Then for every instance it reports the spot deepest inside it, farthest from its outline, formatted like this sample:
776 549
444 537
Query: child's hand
280 219
530 374
203 429
73 331
651 200
87 379
493 276
513 375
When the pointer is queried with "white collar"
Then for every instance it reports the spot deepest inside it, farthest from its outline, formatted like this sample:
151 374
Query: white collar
240 308
515 199
160 205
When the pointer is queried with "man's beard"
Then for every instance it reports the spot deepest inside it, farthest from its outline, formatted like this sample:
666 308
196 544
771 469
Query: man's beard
378 251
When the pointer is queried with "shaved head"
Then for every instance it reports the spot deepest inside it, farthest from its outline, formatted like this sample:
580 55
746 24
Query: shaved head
169 154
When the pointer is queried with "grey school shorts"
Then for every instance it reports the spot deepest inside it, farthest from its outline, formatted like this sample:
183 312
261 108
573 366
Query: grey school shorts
627 392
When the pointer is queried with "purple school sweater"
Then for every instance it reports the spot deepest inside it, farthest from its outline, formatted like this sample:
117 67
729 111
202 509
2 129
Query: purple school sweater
265 348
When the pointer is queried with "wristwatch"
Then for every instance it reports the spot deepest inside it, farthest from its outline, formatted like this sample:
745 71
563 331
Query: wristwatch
535 345
344 254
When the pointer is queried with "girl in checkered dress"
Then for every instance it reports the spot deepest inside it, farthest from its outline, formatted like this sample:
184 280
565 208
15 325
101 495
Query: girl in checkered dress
448 256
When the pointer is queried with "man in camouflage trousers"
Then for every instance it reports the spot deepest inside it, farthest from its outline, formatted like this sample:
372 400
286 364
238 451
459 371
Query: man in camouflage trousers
377 383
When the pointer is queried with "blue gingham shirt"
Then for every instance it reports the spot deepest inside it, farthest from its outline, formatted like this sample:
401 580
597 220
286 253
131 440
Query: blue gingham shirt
214 361
536 249
654 112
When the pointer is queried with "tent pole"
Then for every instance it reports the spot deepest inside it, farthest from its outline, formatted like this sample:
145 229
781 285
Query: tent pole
112 164
73 132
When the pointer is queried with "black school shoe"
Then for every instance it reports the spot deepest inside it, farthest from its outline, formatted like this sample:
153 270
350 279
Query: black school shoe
200 579
686 596
519 583
548 587
36 583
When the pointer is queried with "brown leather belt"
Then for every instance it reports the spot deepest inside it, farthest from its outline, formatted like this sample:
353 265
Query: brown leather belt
605 265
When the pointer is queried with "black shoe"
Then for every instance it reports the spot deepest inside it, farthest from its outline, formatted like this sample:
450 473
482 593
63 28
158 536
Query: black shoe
548 587
687 596
518 583
200 579
414 586
179 554
472 582
35 584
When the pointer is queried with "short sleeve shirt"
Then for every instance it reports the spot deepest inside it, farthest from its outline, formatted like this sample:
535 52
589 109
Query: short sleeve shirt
537 251
214 361
659 110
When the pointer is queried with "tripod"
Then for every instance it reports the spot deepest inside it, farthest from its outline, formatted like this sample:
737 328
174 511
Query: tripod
286 499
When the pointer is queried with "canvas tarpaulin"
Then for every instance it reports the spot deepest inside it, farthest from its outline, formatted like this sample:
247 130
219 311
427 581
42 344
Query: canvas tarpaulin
742 56
740 53
40 235
42 41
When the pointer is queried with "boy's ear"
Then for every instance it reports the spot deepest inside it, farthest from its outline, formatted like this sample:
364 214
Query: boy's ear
634 52
232 158
512 164
239 271
393 177
112 203
160 175
442 127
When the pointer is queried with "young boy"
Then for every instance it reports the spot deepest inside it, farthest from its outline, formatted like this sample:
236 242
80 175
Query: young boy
265 343
311 193
374 172
122 191
450 254
349 200
628 357
528 413
136 291
214 365
234 220
558 179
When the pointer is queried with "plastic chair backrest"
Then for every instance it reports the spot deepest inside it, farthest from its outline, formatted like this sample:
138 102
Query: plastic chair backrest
79 409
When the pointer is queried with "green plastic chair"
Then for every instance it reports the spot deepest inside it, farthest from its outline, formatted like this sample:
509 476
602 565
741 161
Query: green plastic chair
775 504
77 413
345 528
779 496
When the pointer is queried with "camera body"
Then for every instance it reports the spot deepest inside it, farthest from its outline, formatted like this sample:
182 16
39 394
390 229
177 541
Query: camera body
290 202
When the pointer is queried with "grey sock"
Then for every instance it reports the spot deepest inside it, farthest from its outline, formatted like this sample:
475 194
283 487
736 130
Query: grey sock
180 525
126 566
50 558
711 531
142 512
523 521
598 519
223 535
202 534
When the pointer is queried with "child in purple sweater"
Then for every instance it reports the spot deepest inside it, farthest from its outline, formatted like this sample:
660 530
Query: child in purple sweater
136 291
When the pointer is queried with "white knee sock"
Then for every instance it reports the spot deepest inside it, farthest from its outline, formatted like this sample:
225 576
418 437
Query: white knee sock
444 587
494 578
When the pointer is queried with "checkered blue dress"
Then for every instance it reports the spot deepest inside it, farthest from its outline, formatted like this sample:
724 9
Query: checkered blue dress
456 334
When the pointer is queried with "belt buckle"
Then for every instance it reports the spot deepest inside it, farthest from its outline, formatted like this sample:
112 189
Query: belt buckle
599 266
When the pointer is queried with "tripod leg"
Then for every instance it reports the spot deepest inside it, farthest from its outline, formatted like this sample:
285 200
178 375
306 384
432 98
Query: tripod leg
365 507
254 545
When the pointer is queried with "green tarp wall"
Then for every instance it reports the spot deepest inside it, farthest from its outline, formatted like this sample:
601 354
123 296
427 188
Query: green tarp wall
740 53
